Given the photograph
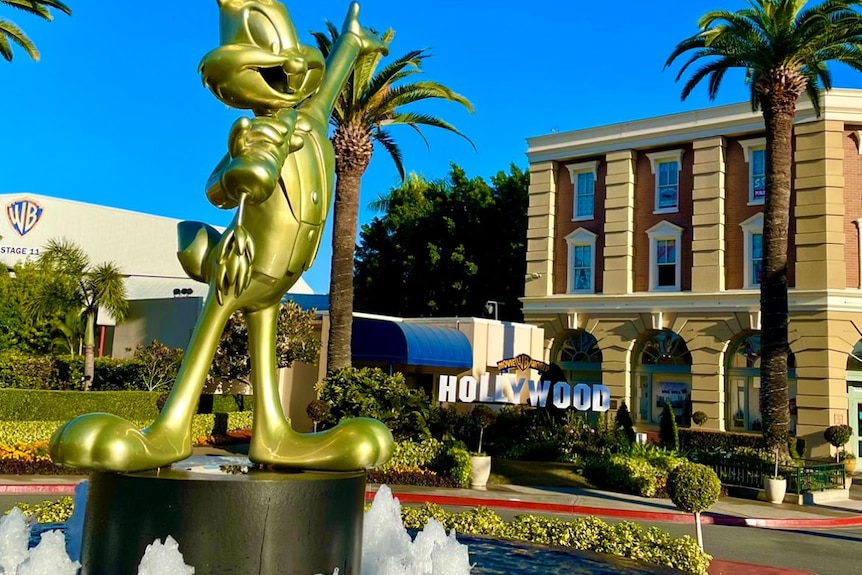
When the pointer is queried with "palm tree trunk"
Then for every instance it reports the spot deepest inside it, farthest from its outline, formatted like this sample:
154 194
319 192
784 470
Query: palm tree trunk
89 346
345 222
778 114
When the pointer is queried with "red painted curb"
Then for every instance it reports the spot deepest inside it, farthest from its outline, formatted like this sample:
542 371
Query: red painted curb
34 489
663 517
720 567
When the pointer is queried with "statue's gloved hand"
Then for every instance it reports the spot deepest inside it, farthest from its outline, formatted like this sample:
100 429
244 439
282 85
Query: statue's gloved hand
369 41
257 148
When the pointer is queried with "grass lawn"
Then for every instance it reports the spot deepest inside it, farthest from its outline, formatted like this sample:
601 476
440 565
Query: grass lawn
535 473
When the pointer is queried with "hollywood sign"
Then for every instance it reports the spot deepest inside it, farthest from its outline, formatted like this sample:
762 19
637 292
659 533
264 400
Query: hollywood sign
508 389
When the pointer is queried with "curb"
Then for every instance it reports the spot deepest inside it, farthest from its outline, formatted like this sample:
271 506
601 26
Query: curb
662 517
563 508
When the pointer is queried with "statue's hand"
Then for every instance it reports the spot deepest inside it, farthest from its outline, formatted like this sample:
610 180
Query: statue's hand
369 41
257 148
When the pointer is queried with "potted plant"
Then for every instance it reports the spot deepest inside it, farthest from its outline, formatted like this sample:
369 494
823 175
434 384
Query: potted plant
482 416
775 486
838 436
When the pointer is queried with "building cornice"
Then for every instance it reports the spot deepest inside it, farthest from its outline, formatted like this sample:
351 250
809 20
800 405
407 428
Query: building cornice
676 302
674 129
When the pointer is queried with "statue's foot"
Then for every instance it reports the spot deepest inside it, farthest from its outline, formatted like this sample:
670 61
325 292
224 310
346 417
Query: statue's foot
105 442
355 444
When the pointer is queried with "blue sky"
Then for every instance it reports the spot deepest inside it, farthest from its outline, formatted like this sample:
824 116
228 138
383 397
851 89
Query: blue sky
115 112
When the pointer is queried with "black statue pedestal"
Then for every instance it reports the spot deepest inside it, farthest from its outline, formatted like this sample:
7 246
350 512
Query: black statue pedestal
225 523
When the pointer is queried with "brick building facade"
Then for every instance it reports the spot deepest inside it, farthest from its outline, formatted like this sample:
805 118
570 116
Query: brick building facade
643 263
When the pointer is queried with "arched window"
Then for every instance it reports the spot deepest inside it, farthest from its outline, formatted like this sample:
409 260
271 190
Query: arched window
665 348
663 375
743 384
579 346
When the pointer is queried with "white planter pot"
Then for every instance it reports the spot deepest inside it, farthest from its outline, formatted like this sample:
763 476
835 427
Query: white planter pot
481 470
775 489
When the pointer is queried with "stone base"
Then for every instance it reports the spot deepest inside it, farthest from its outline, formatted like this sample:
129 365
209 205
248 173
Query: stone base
239 523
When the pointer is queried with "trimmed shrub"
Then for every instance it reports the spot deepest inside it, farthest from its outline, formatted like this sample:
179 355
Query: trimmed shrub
623 420
699 440
203 426
625 539
58 511
643 473
371 392
482 416
22 371
39 405
838 435
449 459
699 418
668 432
693 488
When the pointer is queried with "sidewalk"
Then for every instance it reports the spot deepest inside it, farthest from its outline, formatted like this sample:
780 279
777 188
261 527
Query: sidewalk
727 511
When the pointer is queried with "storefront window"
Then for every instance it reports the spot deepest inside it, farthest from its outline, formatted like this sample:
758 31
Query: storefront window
663 376
743 393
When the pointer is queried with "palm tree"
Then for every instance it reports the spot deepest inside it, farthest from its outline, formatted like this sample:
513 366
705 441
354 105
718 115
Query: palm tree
9 31
370 103
77 285
784 47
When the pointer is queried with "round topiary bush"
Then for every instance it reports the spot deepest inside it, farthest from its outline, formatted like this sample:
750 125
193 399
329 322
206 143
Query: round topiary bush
838 435
693 487
482 416
317 410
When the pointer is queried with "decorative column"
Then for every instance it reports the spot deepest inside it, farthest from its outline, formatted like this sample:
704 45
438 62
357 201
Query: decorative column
708 217
619 222
540 230
821 362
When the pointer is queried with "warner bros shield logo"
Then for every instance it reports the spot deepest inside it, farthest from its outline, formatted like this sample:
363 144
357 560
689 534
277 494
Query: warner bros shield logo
23 215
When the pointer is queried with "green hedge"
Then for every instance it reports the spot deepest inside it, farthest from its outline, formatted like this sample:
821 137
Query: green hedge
625 539
22 371
38 405
642 472
450 459
203 425
694 440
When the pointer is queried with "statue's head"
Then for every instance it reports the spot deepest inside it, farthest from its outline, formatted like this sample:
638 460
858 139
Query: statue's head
260 64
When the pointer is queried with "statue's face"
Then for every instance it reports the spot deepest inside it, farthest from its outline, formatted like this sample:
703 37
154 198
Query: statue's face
260 64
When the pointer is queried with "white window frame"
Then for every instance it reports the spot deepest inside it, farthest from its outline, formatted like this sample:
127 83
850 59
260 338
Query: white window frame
748 148
657 158
751 226
574 171
664 231
581 237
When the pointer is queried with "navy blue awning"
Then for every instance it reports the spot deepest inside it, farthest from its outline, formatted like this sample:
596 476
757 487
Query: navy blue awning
379 340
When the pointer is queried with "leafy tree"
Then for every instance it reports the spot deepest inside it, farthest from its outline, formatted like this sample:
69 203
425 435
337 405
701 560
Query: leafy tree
668 431
71 328
75 284
296 341
482 416
371 392
436 249
784 47
19 330
372 101
9 31
159 364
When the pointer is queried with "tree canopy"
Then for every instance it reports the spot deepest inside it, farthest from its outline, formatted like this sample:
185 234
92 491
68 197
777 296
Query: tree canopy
446 247
11 33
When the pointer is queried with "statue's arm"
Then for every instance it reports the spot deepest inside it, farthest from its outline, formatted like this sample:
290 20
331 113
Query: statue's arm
257 149
353 42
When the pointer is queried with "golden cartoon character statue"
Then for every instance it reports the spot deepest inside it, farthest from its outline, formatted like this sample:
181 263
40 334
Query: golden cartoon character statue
279 174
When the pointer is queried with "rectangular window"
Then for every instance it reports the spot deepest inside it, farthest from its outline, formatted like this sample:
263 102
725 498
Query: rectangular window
756 258
583 268
666 263
585 195
668 186
758 175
